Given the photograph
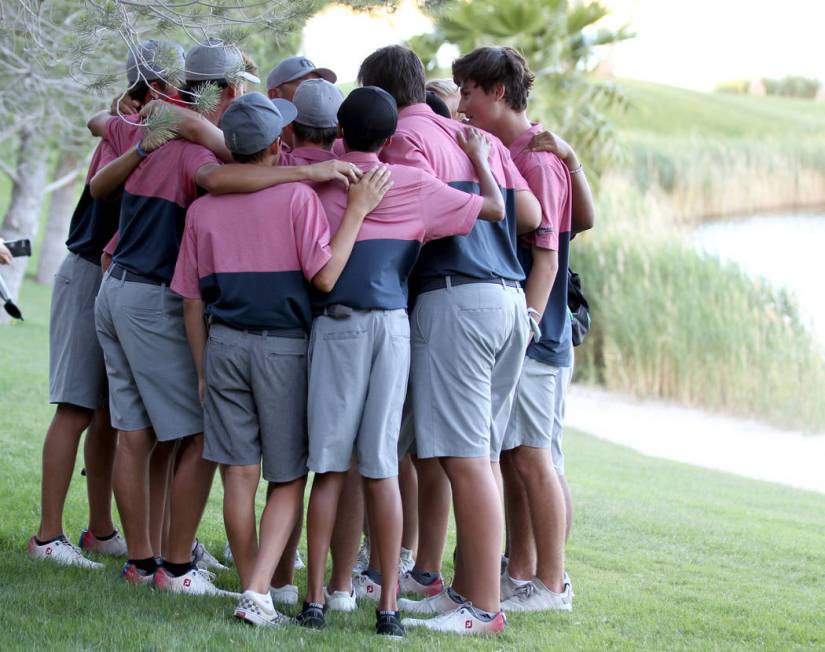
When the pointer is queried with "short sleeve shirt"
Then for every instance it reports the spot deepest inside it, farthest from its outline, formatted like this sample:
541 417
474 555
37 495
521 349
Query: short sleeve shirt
428 141
549 180
417 209
153 208
250 257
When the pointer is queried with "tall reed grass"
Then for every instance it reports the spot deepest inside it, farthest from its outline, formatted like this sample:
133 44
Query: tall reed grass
672 323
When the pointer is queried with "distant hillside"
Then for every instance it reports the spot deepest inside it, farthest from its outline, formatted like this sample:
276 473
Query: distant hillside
671 111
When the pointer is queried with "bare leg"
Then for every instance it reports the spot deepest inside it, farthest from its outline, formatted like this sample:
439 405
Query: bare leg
568 506
160 478
99 458
283 508
384 507
190 491
240 484
346 536
408 484
285 570
479 525
521 541
59 453
323 503
545 502
131 484
434 498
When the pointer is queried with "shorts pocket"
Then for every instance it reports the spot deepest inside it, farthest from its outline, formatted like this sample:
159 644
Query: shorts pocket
344 335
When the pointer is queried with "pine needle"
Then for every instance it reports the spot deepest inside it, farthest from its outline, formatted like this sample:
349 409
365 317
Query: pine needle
159 127
207 97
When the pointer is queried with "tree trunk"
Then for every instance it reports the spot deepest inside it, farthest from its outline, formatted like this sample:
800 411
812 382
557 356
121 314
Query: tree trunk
23 217
61 205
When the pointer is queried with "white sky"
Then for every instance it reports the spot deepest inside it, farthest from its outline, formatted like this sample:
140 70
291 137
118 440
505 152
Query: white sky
690 43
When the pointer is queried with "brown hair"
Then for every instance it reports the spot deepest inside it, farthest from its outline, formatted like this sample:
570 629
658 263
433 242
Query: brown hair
397 70
489 66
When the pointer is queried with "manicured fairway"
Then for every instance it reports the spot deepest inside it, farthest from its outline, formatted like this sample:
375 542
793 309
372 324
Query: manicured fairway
662 556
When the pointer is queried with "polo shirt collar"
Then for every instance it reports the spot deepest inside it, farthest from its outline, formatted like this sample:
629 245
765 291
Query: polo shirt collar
312 154
521 143
361 159
416 109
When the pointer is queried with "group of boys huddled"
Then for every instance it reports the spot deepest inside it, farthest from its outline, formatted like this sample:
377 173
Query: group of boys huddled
369 288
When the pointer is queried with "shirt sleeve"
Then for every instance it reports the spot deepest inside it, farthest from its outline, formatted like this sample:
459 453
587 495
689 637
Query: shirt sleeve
122 134
196 157
106 154
550 183
311 230
515 179
455 211
186 281
112 245
404 150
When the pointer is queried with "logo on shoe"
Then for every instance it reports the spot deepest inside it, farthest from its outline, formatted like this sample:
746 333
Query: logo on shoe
49 550
468 624
370 589
187 582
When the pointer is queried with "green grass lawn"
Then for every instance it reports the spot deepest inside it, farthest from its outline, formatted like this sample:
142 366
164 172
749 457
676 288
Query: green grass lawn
662 555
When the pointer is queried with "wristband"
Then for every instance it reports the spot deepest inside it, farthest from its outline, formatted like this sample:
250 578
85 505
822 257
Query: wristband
577 170
140 151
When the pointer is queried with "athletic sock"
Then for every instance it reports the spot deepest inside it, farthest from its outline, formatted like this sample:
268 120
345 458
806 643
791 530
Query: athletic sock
424 577
455 596
263 597
519 582
374 575
486 616
176 570
107 537
148 565
47 541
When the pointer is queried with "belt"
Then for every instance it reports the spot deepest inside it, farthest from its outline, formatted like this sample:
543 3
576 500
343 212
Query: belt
292 333
116 271
460 279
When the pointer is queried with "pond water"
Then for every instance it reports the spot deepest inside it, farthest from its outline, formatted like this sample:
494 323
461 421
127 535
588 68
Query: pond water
787 250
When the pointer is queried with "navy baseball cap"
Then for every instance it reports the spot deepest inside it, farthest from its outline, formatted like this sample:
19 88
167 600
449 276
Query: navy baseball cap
154 59
317 102
294 67
368 113
252 122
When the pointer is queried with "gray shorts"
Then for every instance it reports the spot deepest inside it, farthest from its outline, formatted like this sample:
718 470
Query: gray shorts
152 378
77 374
537 417
358 372
563 384
406 438
255 401
534 406
468 346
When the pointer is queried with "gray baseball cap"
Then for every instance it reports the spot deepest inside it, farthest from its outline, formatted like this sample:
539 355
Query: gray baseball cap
317 102
153 60
216 60
294 67
252 122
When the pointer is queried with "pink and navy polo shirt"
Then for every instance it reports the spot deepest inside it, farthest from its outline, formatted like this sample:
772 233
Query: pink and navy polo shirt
94 221
427 141
417 209
249 256
154 203
549 179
